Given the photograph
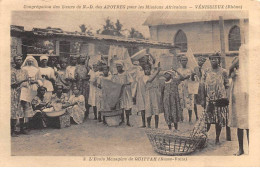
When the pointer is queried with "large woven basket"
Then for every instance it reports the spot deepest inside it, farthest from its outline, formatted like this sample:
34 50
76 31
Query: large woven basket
113 117
168 143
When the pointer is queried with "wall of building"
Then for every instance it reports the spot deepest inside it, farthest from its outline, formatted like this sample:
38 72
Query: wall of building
202 37
16 46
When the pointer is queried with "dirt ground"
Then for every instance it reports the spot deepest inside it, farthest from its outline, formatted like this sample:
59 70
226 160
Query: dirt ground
95 139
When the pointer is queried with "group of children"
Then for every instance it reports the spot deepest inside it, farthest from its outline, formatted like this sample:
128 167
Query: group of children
76 85
82 84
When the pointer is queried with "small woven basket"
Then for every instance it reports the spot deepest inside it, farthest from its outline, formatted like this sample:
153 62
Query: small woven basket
168 143
113 117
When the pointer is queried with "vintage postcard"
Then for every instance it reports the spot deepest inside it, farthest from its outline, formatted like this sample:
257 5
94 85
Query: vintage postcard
139 83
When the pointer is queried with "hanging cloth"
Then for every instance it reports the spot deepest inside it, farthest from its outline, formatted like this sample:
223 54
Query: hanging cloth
192 62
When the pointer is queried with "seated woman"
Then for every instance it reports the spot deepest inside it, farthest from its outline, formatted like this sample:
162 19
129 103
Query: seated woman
77 103
59 98
39 103
59 117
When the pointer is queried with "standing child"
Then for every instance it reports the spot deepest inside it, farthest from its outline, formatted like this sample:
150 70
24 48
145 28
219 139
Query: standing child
82 80
70 73
61 79
139 85
92 89
105 76
185 96
199 98
98 75
171 99
123 78
151 94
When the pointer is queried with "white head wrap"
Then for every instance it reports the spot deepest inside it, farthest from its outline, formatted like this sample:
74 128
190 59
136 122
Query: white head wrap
44 57
25 63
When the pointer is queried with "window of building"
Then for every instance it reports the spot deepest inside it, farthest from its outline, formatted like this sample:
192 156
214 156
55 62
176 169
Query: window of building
180 41
64 49
234 39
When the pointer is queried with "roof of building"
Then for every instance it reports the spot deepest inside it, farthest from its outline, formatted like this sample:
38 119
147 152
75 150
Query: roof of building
60 33
181 17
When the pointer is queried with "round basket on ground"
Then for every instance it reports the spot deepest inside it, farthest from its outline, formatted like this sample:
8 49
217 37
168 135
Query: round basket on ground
113 117
55 113
167 143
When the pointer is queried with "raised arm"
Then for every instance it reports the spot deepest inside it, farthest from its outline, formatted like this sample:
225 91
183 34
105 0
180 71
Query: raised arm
233 66
154 75
148 52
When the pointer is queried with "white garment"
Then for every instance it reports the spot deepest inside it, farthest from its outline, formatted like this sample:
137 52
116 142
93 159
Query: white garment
30 91
34 62
92 88
192 62
98 94
47 71
70 72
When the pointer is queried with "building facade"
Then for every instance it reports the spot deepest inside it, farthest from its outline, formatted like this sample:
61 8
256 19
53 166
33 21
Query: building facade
199 31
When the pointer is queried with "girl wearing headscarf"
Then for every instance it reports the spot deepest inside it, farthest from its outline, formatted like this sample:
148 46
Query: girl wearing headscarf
82 80
19 78
216 83
122 77
47 76
185 96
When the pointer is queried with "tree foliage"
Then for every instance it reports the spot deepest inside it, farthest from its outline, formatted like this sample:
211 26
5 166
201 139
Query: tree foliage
83 28
111 29
116 29
135 34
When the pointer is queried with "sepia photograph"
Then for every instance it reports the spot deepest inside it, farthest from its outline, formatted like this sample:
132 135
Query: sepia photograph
129 83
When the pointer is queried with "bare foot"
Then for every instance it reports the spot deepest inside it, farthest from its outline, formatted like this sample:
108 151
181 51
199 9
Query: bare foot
217 142
239 153
14 135
128 124
25 132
